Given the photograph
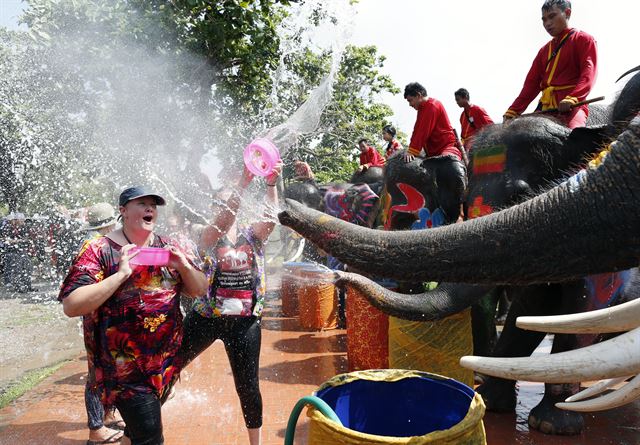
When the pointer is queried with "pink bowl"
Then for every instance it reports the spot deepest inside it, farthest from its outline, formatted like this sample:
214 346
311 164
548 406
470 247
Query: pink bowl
260 156
150 256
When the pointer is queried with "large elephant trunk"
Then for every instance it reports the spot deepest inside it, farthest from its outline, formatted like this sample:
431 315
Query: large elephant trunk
447 299
589 224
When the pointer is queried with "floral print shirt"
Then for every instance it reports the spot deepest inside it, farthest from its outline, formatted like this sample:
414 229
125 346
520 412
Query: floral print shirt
133 337
232 270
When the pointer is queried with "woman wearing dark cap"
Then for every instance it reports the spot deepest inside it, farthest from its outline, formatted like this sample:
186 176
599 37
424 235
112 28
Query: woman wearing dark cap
136 313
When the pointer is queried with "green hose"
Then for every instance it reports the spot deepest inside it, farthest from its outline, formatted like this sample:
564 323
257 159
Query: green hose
317 403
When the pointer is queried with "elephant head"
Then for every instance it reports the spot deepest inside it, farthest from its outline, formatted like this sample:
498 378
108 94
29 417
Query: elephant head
588 224
372 175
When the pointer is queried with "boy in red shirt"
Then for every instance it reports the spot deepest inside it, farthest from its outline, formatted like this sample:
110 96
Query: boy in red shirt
369 156
564 69
472 118
433 133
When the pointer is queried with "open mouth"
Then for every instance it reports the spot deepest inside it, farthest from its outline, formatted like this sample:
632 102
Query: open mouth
148 218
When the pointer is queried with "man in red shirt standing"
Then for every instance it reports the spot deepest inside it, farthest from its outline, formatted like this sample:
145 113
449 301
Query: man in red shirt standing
434 134
564 69
369 156
472 118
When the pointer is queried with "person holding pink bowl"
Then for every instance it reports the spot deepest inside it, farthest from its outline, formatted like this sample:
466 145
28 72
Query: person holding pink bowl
232 308
135 310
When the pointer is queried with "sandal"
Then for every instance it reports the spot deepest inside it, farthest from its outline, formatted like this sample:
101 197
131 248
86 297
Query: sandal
114 438
116 425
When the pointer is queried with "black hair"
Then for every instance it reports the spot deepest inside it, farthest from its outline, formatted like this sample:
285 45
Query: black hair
462 92
413 89
389 129
563 5
366 141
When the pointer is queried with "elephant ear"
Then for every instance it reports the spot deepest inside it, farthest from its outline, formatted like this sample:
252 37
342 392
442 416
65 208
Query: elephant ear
589 140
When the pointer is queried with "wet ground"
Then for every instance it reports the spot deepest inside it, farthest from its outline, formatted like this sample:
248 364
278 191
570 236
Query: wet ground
34 333
294 362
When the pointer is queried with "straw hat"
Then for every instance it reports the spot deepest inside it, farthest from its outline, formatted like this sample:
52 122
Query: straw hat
99 216
16 216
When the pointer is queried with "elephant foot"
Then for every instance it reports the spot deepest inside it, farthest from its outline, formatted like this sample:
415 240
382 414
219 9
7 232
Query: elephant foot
499 395
548 419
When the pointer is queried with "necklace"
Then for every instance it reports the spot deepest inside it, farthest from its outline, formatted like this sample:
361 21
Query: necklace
126 237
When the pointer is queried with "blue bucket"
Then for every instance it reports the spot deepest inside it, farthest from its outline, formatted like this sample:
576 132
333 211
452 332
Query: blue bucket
402 403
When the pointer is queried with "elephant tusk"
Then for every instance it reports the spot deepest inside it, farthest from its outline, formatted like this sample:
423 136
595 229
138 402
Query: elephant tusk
623 317
617 357
596 389
627 394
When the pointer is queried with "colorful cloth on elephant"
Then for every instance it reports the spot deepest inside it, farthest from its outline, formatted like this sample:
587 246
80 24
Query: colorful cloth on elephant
237 281
132 339
353 205
565 68
471 121
371 158
433 131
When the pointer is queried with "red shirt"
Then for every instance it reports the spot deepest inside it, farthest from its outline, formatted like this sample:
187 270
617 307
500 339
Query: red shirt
571 73
433 131
372 158
473 120
392 147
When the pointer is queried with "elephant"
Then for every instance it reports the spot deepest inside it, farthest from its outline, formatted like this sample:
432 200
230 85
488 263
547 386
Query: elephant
431 255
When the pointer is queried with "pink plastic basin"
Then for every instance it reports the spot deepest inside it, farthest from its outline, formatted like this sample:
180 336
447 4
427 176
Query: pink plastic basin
150 256
260 156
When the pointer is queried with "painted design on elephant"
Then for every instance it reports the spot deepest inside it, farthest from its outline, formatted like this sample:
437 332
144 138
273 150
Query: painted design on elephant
604 290
427 220
478 208
414 202
575 181
353 205
490 160
600 157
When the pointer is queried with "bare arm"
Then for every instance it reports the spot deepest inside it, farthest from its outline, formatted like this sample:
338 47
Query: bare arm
263 229
195 283
221 223
87 299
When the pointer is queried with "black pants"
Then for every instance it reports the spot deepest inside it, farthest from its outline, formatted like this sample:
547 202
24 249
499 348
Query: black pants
242 338
451 178
141 414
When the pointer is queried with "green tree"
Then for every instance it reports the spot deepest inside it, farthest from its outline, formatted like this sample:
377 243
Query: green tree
150 85
352 114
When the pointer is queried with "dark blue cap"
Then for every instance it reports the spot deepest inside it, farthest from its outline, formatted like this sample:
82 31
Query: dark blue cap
138 192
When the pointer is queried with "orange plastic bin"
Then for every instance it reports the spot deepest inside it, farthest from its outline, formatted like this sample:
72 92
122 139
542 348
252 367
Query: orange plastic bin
317 299
367 334
290 287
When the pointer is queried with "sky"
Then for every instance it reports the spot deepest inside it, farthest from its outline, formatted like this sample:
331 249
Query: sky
484 46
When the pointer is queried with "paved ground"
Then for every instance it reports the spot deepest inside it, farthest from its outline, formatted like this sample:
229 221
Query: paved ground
206 410
34 332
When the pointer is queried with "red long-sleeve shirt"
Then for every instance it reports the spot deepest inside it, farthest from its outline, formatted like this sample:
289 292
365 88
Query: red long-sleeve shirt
473 120
570 74
371 158
433 131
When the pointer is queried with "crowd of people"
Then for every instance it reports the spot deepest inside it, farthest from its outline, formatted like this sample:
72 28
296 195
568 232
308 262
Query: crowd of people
135 337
